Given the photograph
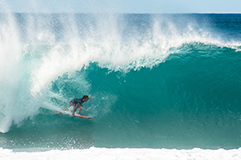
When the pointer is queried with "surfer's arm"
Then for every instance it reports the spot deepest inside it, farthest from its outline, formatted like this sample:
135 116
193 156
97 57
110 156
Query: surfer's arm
75 109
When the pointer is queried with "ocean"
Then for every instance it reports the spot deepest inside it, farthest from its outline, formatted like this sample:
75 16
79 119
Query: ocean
164 86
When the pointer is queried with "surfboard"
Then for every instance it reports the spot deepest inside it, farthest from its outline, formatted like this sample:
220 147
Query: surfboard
76 115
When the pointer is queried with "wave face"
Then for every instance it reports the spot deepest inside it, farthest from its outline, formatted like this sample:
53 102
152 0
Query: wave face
157 81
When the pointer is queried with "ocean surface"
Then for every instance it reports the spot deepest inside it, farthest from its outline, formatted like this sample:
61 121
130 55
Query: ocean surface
163 85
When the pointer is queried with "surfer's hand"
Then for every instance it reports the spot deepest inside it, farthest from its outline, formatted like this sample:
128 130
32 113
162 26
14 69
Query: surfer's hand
90 97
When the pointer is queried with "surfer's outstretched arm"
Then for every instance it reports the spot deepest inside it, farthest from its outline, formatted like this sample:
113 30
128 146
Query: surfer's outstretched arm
76 106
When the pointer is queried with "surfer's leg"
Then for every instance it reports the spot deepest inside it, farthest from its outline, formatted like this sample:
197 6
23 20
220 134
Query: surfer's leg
70 104
67 109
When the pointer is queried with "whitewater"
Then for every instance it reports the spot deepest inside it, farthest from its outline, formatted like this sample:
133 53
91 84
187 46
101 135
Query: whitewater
163 86
104 153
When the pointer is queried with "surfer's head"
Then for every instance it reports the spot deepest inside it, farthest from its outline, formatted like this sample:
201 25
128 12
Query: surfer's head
85 98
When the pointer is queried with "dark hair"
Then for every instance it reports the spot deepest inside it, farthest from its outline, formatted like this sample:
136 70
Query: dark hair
85 97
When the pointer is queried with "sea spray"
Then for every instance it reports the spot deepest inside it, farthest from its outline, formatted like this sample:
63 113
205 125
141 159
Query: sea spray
10 58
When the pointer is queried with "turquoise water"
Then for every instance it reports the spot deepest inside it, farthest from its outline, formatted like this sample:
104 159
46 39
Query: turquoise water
157 81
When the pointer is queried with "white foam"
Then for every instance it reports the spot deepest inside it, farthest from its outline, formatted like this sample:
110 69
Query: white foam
9 71
126 154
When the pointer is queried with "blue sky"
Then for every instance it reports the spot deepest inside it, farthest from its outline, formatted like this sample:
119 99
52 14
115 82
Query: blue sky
122 6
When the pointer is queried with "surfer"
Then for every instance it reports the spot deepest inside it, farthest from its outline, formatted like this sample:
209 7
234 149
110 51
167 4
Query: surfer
77 103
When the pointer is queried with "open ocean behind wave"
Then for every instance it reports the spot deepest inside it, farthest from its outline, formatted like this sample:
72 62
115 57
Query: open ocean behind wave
158 81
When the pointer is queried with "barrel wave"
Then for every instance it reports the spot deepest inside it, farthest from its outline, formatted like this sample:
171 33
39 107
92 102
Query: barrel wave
157 81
